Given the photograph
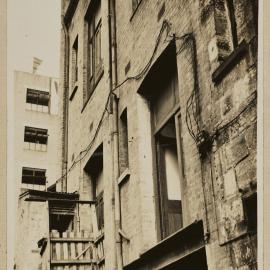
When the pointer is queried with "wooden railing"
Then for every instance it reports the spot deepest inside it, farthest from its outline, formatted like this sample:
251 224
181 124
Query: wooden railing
99 253
75 250
71 251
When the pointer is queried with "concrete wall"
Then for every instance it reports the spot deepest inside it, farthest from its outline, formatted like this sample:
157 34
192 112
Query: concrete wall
213 186
32 218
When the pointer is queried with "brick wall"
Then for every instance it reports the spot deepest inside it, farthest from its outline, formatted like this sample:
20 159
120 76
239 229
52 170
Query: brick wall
213 186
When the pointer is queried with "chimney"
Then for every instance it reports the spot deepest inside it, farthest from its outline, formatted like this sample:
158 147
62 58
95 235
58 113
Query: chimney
36 63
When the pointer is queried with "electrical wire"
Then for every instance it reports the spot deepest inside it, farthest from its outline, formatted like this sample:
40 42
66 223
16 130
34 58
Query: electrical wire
192 104
83 153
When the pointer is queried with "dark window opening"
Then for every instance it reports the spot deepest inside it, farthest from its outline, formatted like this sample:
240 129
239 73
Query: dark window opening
94 171
255 15
62 216
33 176
35 135
250 210
94 58
37 97
123 142
100 211
75 60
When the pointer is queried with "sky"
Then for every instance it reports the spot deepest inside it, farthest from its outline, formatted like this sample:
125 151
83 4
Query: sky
33 30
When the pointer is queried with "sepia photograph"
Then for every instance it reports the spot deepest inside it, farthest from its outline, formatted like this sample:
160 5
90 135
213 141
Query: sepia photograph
132 135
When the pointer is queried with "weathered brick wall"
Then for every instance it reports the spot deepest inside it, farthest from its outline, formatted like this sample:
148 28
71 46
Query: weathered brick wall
211 185
219 103
83 121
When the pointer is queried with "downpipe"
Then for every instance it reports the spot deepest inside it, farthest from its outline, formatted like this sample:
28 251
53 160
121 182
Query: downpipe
115 130
65 110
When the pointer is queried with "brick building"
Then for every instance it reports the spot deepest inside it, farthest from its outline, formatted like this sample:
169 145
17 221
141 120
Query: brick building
159 136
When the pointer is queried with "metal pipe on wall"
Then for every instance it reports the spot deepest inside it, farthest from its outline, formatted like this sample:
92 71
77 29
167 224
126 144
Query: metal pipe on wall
65 109
114 132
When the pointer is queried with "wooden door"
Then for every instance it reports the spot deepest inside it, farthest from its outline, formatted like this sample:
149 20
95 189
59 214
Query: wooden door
169 179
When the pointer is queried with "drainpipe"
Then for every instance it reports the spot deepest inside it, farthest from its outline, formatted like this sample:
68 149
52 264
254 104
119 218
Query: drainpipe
65 110
115 134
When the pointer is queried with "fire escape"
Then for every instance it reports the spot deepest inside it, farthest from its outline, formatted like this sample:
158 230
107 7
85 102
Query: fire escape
68 244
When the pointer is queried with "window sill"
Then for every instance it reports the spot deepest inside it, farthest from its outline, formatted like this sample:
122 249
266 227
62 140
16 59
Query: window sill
93 89
75 88
191 236
229 63
124 176
134 11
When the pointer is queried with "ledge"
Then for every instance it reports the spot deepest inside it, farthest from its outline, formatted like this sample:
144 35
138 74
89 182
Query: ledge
124 176
69 262
230 62
183 242
74 91
59 240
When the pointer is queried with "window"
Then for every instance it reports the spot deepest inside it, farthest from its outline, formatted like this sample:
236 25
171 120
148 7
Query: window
33 176
100 211
161 89
250 210
37 97
94 56
35 135
255 15
75 62
94 183
123 142
169 176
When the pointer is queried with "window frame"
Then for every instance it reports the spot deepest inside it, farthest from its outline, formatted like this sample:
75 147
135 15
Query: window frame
94 65
161 188
123 141
38 93
100 210
74 63
33 176
37 133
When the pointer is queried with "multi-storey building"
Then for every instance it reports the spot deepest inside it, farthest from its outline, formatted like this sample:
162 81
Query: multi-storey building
37 147
159 137
37 157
